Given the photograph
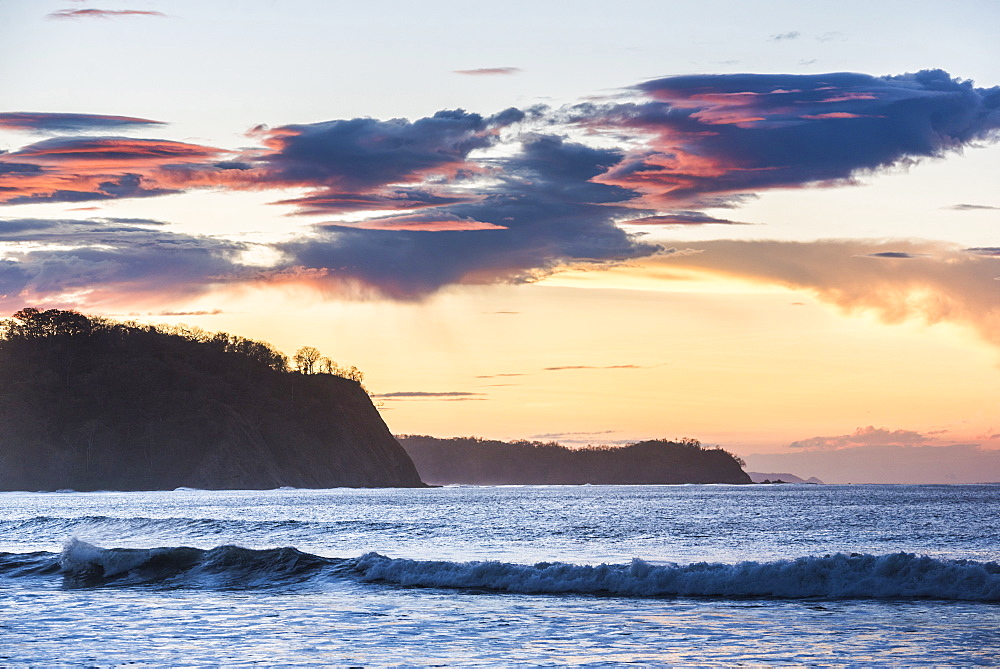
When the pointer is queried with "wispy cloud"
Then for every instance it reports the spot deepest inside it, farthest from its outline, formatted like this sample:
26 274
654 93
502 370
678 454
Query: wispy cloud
213 312
55 122
568 367
101 13
490 71
973 207
904 255
449 396
682 218
784 37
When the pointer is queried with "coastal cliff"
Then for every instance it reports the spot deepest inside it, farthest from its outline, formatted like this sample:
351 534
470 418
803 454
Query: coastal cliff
91 404
476 461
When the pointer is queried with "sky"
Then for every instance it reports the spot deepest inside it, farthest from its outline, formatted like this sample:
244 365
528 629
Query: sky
770 226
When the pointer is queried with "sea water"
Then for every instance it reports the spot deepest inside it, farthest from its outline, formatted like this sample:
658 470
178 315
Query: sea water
503 575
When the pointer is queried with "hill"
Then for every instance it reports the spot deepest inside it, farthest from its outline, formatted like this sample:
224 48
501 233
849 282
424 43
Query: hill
477 461
87 403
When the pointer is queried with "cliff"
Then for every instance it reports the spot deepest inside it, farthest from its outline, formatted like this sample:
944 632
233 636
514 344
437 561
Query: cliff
477 461
90 404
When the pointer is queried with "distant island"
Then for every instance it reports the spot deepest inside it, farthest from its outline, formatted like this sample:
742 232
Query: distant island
780 477
87 403
471 460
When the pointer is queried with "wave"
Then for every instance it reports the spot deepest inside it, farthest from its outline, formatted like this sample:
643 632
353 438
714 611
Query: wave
899 575
839 576
85 565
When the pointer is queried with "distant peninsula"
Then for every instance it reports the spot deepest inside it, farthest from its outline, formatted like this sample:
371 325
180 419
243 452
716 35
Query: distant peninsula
471 460
87 403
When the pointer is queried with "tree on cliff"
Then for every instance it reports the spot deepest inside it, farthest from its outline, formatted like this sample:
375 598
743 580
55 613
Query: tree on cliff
89 403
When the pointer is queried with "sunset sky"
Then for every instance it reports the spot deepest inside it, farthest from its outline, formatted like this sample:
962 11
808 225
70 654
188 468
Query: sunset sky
771 226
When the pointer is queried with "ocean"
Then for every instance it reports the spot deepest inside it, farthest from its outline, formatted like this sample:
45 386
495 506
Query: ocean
503 575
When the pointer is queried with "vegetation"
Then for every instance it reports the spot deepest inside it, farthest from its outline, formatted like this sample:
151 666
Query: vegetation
89 403
472 460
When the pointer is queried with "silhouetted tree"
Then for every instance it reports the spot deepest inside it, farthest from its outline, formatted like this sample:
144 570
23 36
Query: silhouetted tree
306 360
32 323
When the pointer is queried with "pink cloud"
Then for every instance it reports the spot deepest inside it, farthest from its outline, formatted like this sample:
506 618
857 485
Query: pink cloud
100 13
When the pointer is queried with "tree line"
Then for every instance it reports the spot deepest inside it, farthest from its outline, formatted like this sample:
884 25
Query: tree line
31 323
472 460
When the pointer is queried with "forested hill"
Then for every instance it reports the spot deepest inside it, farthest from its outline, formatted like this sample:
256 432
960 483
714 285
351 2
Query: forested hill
87 403
478 461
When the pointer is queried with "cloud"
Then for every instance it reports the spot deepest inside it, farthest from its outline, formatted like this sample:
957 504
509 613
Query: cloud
895 254
213 312
363 154
681 218
784 37
448 396
109 261
550 211
864 436
972 207
989 251
749 132
80 169
411 206
490 71
67 122
100 13
419 223
565 367
931 282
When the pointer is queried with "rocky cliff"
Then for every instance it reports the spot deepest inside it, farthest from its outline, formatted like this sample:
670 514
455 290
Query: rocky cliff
89 404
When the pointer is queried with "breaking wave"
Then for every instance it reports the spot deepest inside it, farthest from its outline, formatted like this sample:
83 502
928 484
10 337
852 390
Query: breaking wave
850 576
899 575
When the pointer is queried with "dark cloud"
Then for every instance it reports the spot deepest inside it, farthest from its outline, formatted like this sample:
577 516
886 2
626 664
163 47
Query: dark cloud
748 132
895 254
100 13
446 396
550 211
109 260
362 154
490 71
990 251
66 122
972 207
